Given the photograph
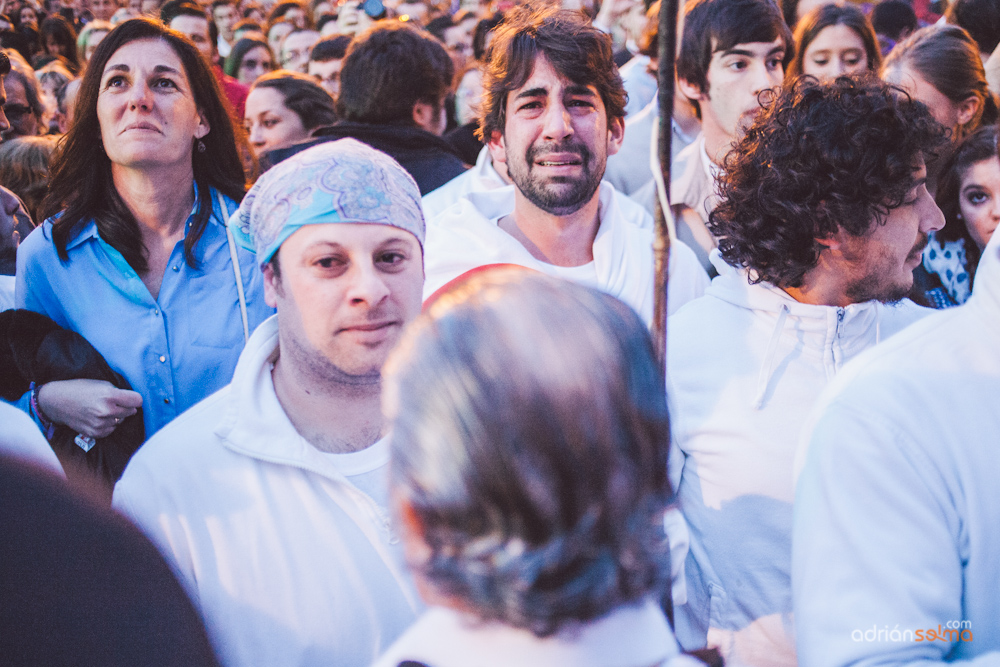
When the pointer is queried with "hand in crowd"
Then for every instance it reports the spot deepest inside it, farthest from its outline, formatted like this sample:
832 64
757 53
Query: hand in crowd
93 408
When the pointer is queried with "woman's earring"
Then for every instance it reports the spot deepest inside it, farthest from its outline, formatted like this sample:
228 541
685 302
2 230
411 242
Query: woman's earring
958 216
201 146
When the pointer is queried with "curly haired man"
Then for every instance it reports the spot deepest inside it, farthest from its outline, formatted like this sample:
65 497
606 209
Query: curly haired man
823 217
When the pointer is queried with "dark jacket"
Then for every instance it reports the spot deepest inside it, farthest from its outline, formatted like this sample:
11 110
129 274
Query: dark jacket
33 348
429 159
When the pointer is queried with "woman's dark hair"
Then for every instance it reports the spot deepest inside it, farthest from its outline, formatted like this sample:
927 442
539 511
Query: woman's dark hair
819 158
80 181
820 19
978 146
243 46
946 57
534 459
576 49
310 101
60 29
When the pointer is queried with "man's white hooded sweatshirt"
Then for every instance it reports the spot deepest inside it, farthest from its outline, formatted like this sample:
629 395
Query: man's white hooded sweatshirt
289 552
745 364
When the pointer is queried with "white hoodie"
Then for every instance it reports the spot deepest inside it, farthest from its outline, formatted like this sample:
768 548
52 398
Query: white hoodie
745 365
896 555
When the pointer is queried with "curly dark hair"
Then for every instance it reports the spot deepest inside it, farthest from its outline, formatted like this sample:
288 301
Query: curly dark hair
577 50
820 157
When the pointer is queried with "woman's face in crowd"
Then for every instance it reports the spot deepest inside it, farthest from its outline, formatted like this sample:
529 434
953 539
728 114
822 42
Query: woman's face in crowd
837 50
979 200
146 108
270 124
28 15
256 63
277 34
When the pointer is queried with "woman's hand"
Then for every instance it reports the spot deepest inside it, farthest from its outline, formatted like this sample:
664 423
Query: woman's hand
91 407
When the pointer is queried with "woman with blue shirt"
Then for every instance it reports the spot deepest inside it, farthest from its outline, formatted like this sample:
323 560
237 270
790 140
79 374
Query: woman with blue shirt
139 261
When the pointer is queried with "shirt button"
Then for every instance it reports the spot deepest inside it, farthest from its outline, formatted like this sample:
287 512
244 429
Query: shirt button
176 268
156 312
162 359
167 401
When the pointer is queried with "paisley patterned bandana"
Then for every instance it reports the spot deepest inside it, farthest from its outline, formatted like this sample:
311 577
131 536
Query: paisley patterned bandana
338 181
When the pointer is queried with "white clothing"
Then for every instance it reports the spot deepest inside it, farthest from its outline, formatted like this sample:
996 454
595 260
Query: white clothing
640 84
7 300
288 561
21 439
745 365
483 177
630 170
632 636
897 508
467 236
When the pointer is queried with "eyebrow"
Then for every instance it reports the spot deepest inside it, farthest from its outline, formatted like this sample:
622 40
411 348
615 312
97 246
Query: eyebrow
159 69
531 92
735 51
574 89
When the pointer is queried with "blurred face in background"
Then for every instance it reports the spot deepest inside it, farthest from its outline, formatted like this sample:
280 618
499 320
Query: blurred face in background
837 50
269 123
255 64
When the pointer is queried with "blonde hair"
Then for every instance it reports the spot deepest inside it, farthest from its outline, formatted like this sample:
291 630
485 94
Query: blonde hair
24 169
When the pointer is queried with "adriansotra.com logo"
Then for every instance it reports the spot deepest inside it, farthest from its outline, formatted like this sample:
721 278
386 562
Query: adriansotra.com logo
952 631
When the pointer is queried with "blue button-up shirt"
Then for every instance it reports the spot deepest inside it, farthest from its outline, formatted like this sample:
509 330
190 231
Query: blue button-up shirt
174 350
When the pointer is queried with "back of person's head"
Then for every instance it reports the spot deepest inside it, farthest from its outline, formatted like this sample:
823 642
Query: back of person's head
980 18
310 102
575 49
946 57
813 23
895 19
978 146
24 169
531 462
438 25
719 25
388 69
820 158
330 48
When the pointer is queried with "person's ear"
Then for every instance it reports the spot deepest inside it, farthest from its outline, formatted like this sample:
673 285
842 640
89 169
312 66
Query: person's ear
690 90
616 134
203 126
968 108
498 149
272 284
425 116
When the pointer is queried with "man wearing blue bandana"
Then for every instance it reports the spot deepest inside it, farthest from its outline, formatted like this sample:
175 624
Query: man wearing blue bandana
270 497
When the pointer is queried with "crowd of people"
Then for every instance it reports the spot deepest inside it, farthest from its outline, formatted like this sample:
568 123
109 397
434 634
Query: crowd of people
345 307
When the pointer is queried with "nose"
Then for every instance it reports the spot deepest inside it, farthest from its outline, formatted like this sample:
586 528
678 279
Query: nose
4 123
367 284
140 96
558 125
932 218
839 68
766 78
256 135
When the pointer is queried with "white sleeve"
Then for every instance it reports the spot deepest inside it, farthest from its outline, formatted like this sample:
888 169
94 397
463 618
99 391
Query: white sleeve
877 560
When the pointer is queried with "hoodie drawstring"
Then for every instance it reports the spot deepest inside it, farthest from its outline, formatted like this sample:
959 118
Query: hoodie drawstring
772 347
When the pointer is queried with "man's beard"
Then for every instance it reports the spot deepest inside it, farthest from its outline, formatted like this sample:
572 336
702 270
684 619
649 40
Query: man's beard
874 285
562 195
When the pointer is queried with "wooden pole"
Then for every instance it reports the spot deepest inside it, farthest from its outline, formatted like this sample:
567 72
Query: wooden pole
661 246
